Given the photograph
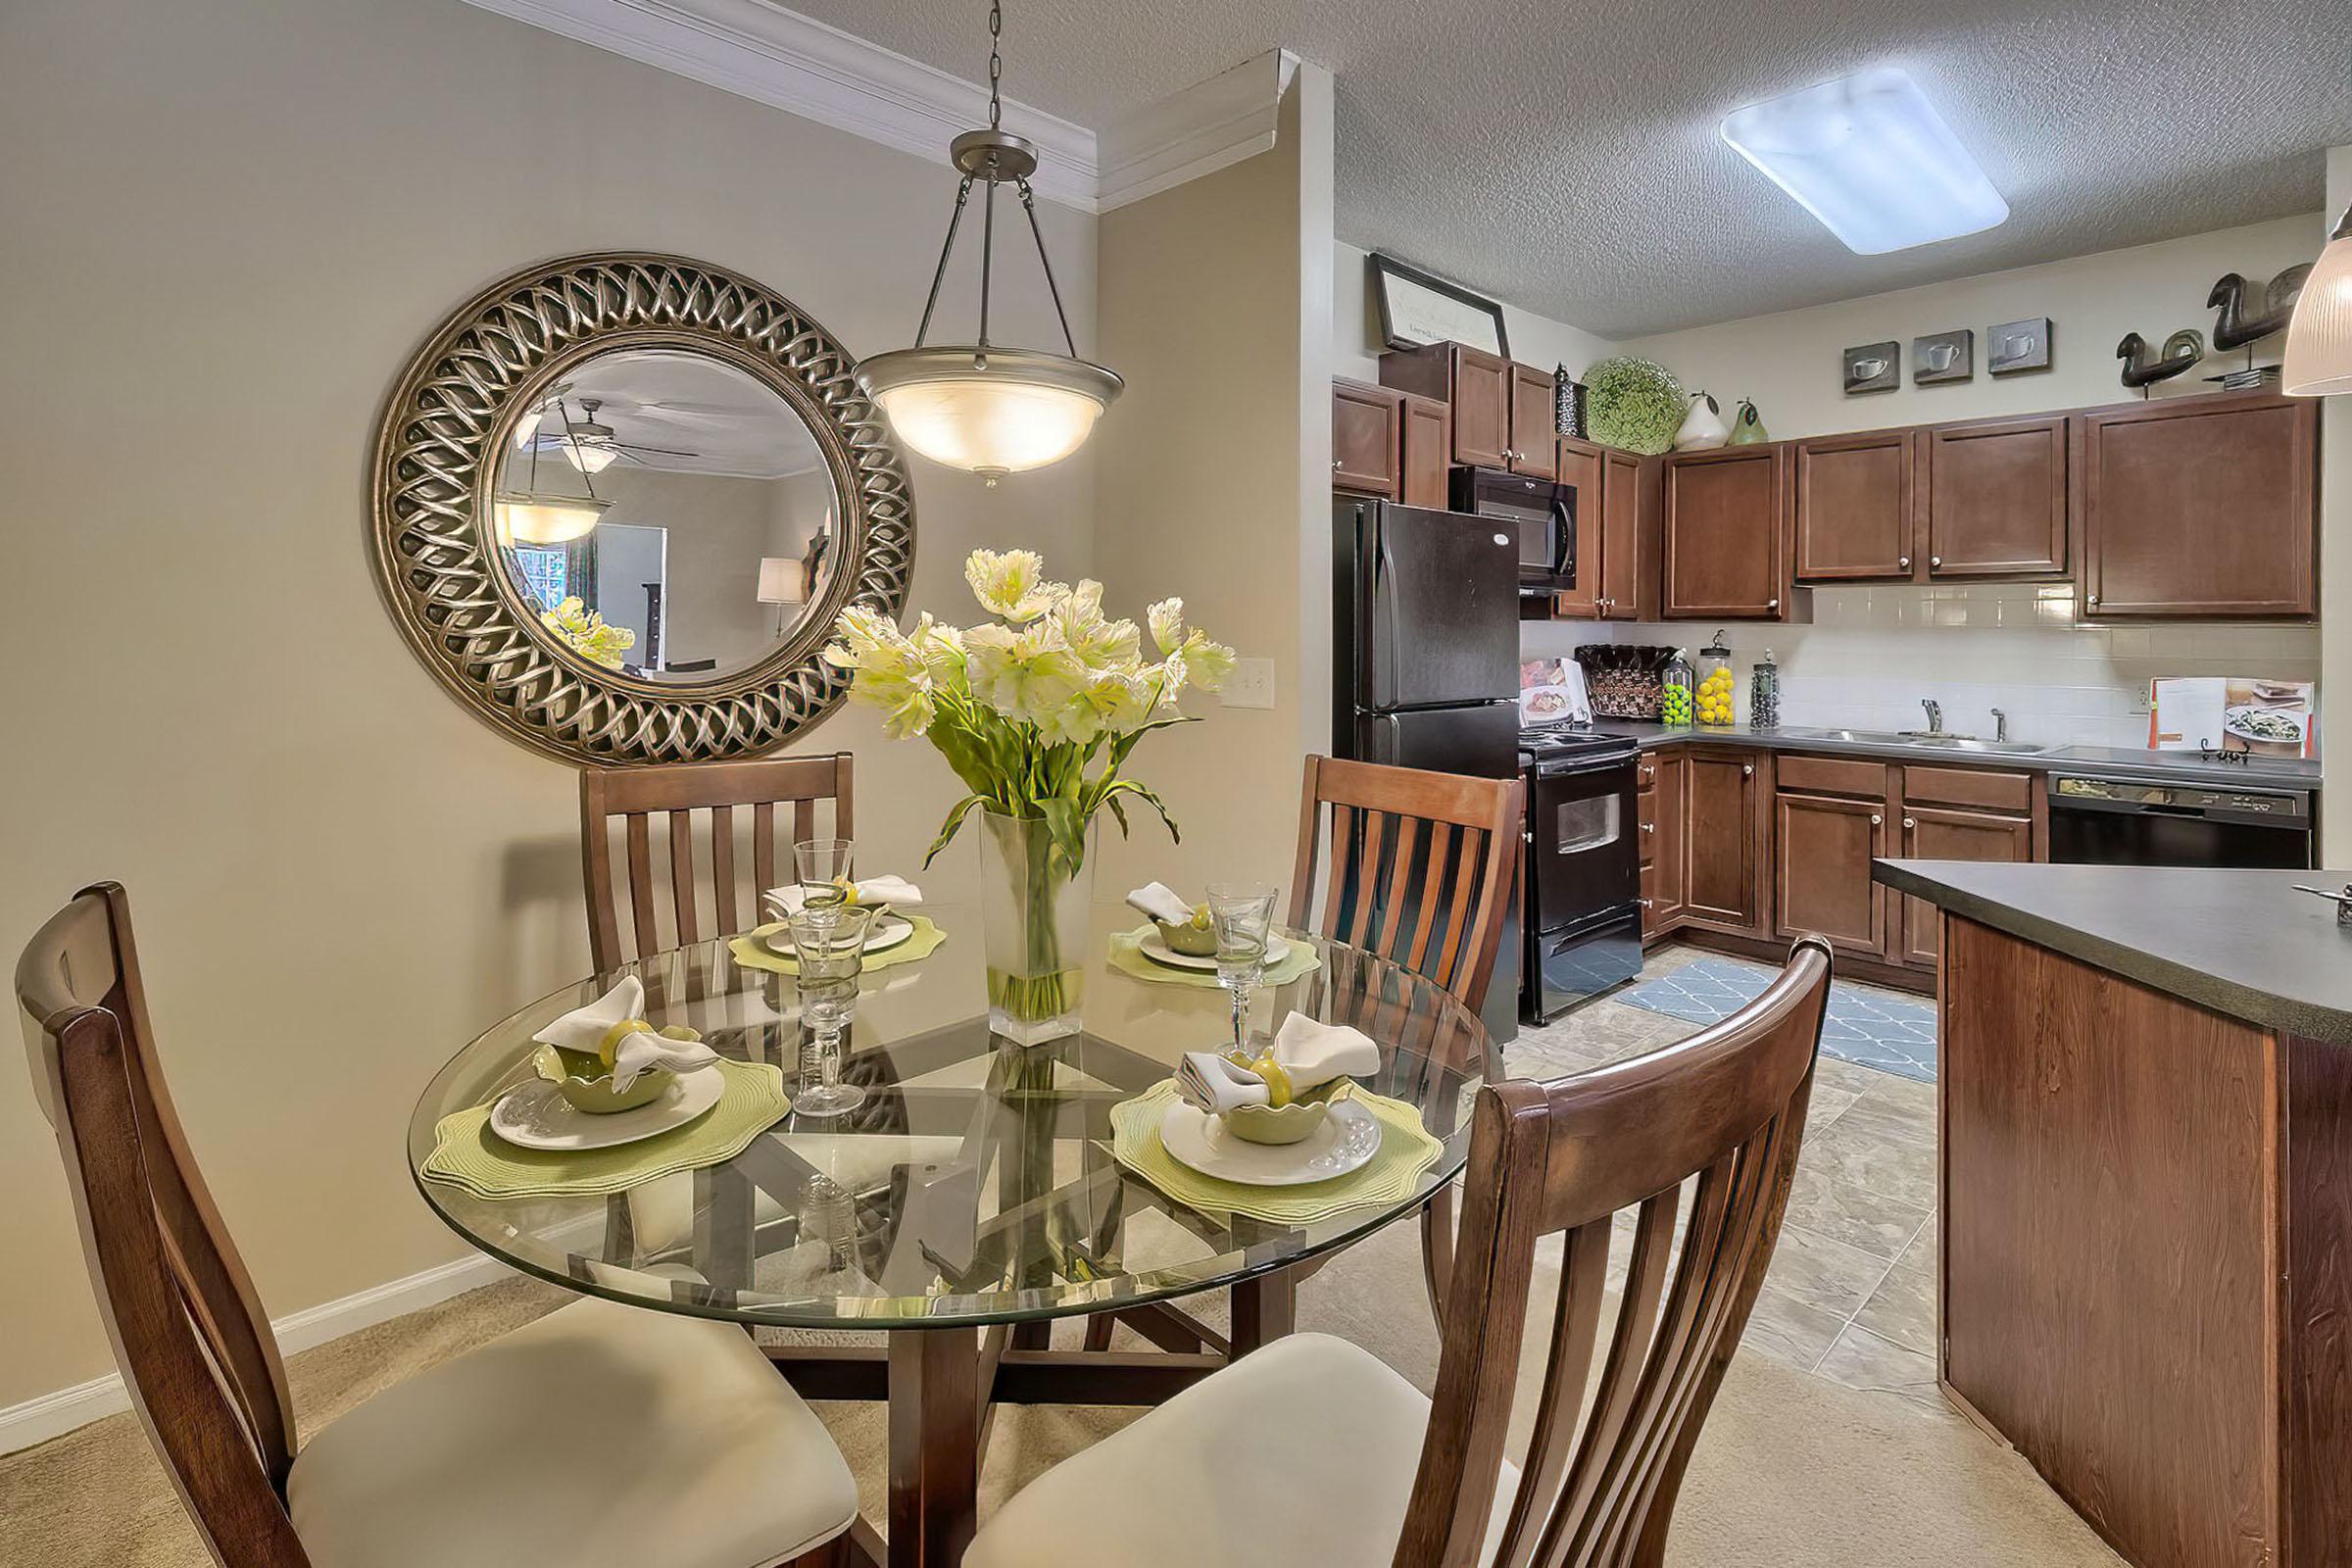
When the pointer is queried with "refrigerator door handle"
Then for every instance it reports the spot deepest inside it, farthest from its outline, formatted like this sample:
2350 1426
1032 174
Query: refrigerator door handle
1395 736
1382 566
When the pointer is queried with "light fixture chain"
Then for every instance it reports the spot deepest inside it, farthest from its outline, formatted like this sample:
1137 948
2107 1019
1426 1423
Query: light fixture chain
996 64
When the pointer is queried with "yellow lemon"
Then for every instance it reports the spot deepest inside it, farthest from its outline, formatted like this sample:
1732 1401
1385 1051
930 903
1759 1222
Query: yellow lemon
1201 916
680 1033
617 1034
1278 1082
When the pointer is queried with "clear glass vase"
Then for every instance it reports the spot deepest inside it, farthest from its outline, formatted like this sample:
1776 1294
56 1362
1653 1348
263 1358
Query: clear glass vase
1035 909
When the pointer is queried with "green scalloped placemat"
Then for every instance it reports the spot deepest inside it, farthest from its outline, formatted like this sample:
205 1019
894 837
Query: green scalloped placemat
1407 1150
1127 957
468 1154
753 953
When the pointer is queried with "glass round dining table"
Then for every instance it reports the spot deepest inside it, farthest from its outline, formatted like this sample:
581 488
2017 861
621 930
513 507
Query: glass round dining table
971 1199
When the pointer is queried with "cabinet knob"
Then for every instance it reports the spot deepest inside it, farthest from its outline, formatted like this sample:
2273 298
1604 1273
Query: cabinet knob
1644 903
1649 827
1335 464
1771 604
1904 562
1748 769
1908 822
2095 598
1935 561
1875 819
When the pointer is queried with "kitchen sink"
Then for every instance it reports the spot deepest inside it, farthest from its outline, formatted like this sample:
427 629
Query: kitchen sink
1922 738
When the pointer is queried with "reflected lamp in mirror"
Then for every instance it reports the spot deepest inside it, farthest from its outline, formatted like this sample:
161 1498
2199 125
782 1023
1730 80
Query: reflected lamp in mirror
528 519
783 580
2318 362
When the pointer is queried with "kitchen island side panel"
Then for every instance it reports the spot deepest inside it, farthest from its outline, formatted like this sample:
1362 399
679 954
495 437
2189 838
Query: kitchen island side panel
2110 1293
2316 1354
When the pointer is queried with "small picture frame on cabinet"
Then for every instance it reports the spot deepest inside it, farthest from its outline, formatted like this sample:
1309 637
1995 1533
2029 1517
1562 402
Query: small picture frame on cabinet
2015 346
1873 366
1418 308
1942 357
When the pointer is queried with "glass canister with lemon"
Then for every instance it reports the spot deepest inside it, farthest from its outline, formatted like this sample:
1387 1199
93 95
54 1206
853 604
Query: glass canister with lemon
1716 698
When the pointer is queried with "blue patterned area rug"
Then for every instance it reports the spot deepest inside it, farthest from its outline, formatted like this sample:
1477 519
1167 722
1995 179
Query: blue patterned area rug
1866 1027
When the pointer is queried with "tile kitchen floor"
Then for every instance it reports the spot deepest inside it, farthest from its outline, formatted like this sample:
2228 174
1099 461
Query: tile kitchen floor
1851 1292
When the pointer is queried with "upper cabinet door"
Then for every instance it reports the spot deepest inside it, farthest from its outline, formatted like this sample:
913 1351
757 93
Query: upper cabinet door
1579 468
1482 408
1367 431
1855 507
1621 533
1724 525
1996 498
2201 506
1535 423
1428 451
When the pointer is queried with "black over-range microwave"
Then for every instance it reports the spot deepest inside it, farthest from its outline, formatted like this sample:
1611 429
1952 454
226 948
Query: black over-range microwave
1541 514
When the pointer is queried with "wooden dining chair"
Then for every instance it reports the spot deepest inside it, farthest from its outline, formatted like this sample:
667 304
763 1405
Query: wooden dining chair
1420 871
1313 1451
697 801
599 1435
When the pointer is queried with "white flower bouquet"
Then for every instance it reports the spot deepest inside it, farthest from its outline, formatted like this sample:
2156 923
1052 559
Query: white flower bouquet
1036 710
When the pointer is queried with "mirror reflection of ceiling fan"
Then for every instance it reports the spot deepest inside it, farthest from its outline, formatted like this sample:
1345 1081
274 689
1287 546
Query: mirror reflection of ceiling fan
589 444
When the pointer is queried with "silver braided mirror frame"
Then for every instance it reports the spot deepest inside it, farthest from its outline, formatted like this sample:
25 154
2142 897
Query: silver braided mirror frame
436 465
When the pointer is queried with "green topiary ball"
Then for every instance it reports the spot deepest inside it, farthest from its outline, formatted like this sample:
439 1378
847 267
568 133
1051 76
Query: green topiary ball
1635 405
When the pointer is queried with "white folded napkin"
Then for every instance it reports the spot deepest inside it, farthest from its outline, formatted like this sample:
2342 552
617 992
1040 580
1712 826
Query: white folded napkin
1159 901
783 902
1310 1053
585 1028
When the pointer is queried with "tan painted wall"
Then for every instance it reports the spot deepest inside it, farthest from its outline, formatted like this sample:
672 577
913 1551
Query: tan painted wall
1790 363
2335 584
1214 479
228 227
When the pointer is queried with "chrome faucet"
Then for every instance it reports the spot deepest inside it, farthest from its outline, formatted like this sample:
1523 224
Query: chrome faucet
2000 725
1934 714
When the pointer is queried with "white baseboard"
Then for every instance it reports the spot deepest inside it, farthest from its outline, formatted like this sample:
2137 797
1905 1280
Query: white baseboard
53 1415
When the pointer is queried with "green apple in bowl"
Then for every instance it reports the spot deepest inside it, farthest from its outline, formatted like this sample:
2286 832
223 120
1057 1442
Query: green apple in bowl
1196 938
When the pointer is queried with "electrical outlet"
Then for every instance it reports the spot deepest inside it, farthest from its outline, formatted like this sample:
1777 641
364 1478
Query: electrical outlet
2140 698
1251 684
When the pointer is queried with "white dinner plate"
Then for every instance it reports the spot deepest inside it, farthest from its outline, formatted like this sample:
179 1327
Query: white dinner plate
2235 723
886 933
1348 1138
1154 946
536 1115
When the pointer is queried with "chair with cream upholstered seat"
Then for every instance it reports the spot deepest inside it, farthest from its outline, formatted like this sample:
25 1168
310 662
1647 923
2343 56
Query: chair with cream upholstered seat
599 1435
1312 1450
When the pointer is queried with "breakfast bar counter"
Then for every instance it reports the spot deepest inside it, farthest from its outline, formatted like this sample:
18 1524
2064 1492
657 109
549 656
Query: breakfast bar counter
2144 1148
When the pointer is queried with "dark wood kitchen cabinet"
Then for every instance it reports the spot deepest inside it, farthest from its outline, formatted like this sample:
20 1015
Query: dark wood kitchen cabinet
1427 453
2200 508
1726 549
1994 494
1942 833
1474 384
1535 423
1856 506
1367 435
1628 541
1822 850
1664 828
1579 467
1722 826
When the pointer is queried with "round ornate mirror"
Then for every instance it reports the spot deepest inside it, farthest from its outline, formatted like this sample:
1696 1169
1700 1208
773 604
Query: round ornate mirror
621 501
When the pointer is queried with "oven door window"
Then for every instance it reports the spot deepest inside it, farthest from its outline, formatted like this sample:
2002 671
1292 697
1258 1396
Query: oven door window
1584 861
1578 826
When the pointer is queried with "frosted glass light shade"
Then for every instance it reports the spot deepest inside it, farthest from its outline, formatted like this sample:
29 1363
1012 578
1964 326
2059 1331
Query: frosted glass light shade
989 411
2319 339
544 521
1871 158
783 580
589 458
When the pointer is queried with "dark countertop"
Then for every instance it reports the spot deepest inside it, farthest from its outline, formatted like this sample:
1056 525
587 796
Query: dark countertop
2159 767
2240 943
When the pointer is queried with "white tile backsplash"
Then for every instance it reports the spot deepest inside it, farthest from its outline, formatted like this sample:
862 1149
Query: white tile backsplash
1872 654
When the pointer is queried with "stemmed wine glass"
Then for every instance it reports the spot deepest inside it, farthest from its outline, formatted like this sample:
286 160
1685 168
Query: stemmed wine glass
824 866
828 945
1243 913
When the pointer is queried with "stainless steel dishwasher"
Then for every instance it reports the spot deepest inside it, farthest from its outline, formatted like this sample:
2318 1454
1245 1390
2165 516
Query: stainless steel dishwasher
2113 822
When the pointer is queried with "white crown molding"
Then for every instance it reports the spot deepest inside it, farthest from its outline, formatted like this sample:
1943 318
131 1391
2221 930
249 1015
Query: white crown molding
53 1415
1207 127
759 50
798 64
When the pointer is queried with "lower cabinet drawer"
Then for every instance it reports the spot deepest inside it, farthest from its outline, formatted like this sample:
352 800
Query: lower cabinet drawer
1833 775
1981 789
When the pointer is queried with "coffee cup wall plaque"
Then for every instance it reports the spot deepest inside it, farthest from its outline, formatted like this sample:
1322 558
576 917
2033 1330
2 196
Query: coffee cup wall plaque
1873 366
1943 357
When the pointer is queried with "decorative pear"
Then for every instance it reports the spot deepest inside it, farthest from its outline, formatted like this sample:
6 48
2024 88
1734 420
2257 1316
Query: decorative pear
1748 430
1703 428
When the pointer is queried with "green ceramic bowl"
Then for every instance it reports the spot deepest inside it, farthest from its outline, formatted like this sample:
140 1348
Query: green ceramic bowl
594 1096
1283 1124
1193 941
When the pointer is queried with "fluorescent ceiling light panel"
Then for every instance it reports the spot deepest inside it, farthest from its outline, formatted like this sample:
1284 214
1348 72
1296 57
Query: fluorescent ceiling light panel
1869 155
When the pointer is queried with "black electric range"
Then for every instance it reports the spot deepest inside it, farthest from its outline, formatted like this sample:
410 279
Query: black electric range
1581 924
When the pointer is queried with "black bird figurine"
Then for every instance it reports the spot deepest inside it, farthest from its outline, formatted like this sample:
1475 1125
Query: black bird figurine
2231 329
2143 373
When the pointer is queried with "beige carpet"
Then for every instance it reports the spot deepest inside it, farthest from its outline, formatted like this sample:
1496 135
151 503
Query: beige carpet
1793 1469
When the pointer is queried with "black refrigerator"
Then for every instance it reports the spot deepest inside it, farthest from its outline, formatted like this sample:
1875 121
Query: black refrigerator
1425 658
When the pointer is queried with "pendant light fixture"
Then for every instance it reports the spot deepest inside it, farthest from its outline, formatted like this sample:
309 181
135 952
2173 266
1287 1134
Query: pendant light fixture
533 516
2318 340
974 406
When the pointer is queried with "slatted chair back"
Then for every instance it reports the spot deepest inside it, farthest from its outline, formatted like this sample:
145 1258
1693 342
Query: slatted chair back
1700 1141
1421 867
698 803
189 1335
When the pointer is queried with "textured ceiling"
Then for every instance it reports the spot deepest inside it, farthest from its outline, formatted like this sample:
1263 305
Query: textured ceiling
1564 156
